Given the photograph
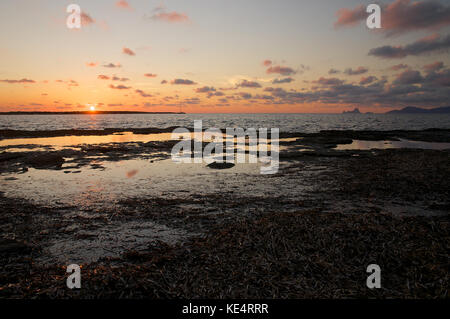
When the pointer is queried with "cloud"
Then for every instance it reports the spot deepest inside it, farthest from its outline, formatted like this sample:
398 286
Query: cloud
18 81
433 43
398 67
150 75
128 51
112 65
123 5
143 94
329 81
333 71
72 83
283 70
193 100
205 89
409 77
249 84
350 17
212 93
433 67
284 80
408 88
164 82
441 78
103 77
86 19
171 17
267 63
182 82
91 64
115 78
245 95
119 87
358 71
367 80
401 16
161 14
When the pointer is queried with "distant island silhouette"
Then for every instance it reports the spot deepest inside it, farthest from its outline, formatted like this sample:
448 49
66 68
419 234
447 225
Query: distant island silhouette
355 111
418 110
408 110
85 112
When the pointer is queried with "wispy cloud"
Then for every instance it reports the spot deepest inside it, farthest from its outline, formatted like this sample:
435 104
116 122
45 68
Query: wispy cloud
143 94
122 4
283 70
160 13
433 67
359 70
182 82
112 65
249 84
283 80
434 43
86 19
128 51
119 87
18 81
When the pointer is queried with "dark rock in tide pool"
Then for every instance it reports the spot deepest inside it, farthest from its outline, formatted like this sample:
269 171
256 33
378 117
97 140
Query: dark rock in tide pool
45 161
9 156
216 165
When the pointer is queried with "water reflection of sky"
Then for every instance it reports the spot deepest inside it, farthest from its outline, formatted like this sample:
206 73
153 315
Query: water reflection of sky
62 141
368 145
87 187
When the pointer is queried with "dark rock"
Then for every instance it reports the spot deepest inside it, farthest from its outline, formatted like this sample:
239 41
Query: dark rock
9 156
46 160
224 165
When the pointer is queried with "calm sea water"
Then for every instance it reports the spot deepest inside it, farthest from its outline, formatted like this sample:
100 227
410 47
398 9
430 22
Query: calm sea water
286 122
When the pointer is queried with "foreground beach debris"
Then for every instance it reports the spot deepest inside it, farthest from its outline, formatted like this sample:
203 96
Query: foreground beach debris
335 212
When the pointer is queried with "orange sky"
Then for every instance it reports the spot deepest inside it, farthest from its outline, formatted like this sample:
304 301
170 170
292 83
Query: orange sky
203 57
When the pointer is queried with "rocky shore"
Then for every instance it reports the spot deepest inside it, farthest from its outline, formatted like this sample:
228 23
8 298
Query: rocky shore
308 231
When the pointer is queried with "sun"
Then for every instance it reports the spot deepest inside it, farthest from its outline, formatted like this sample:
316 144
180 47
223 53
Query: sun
92 108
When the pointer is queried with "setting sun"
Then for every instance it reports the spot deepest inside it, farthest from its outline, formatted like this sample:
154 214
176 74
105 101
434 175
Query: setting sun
92 108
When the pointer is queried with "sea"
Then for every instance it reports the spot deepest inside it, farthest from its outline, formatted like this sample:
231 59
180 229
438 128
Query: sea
308 123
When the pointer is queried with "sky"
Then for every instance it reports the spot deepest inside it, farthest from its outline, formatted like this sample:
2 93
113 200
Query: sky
217 56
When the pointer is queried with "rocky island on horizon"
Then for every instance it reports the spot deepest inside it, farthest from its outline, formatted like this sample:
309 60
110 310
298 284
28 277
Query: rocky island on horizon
407 110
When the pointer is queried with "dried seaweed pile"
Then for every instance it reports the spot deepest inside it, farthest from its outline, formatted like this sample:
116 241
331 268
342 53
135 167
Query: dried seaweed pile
400 174
282 255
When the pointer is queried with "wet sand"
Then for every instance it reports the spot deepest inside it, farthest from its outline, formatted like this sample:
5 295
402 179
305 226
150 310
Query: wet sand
141 226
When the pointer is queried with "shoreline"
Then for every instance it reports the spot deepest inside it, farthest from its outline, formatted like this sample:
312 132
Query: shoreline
308 231
430 134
